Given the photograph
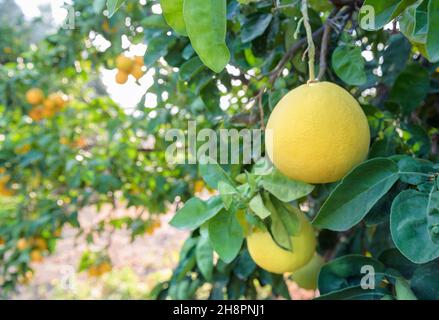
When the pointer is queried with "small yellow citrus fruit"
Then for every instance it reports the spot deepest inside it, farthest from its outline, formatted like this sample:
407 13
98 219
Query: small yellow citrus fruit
317 133
93 271
57 100
124 63
104 268
36 113
35 96
269 256
40 243
36 256
22 244
121 77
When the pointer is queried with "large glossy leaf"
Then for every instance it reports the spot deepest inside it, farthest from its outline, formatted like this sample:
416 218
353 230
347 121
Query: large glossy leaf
383 12
411 87
284 188
226 235
425 281
413 22
206 26
433 31
409 226
173 13
356 194
204 255
346 272
354 293
348 64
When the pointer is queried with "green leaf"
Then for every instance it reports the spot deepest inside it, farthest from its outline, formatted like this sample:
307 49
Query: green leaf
245 265
348 64
195 212
226 192
394 259
212 173
113 6
173 13
409 167
395 58
206 26
433 31
226 235
425 281
284 221
190 68
157 48
403 291
204 255
98 6
411 87
383 13
354 293
256 204
346 271
255 26
154 21
284 188
409 226
413 22
356 194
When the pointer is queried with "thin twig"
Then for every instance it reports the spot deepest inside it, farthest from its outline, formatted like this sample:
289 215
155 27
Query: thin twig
324 50
309 38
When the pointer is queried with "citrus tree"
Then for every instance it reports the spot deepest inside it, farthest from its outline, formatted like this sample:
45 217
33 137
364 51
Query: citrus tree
347 198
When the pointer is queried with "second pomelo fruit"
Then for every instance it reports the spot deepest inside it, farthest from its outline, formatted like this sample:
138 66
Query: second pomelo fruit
317 133
269 256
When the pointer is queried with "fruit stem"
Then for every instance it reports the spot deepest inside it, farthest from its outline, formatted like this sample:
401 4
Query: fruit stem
311 47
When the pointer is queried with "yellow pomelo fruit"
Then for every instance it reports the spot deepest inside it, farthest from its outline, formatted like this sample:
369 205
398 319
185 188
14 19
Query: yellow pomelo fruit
57 100
269 256
307 276
104 268
121 77
36 256
35 96
36 113
317 133
22 244
124 63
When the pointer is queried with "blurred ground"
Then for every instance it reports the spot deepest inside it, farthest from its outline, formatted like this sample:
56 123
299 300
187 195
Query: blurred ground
137 266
